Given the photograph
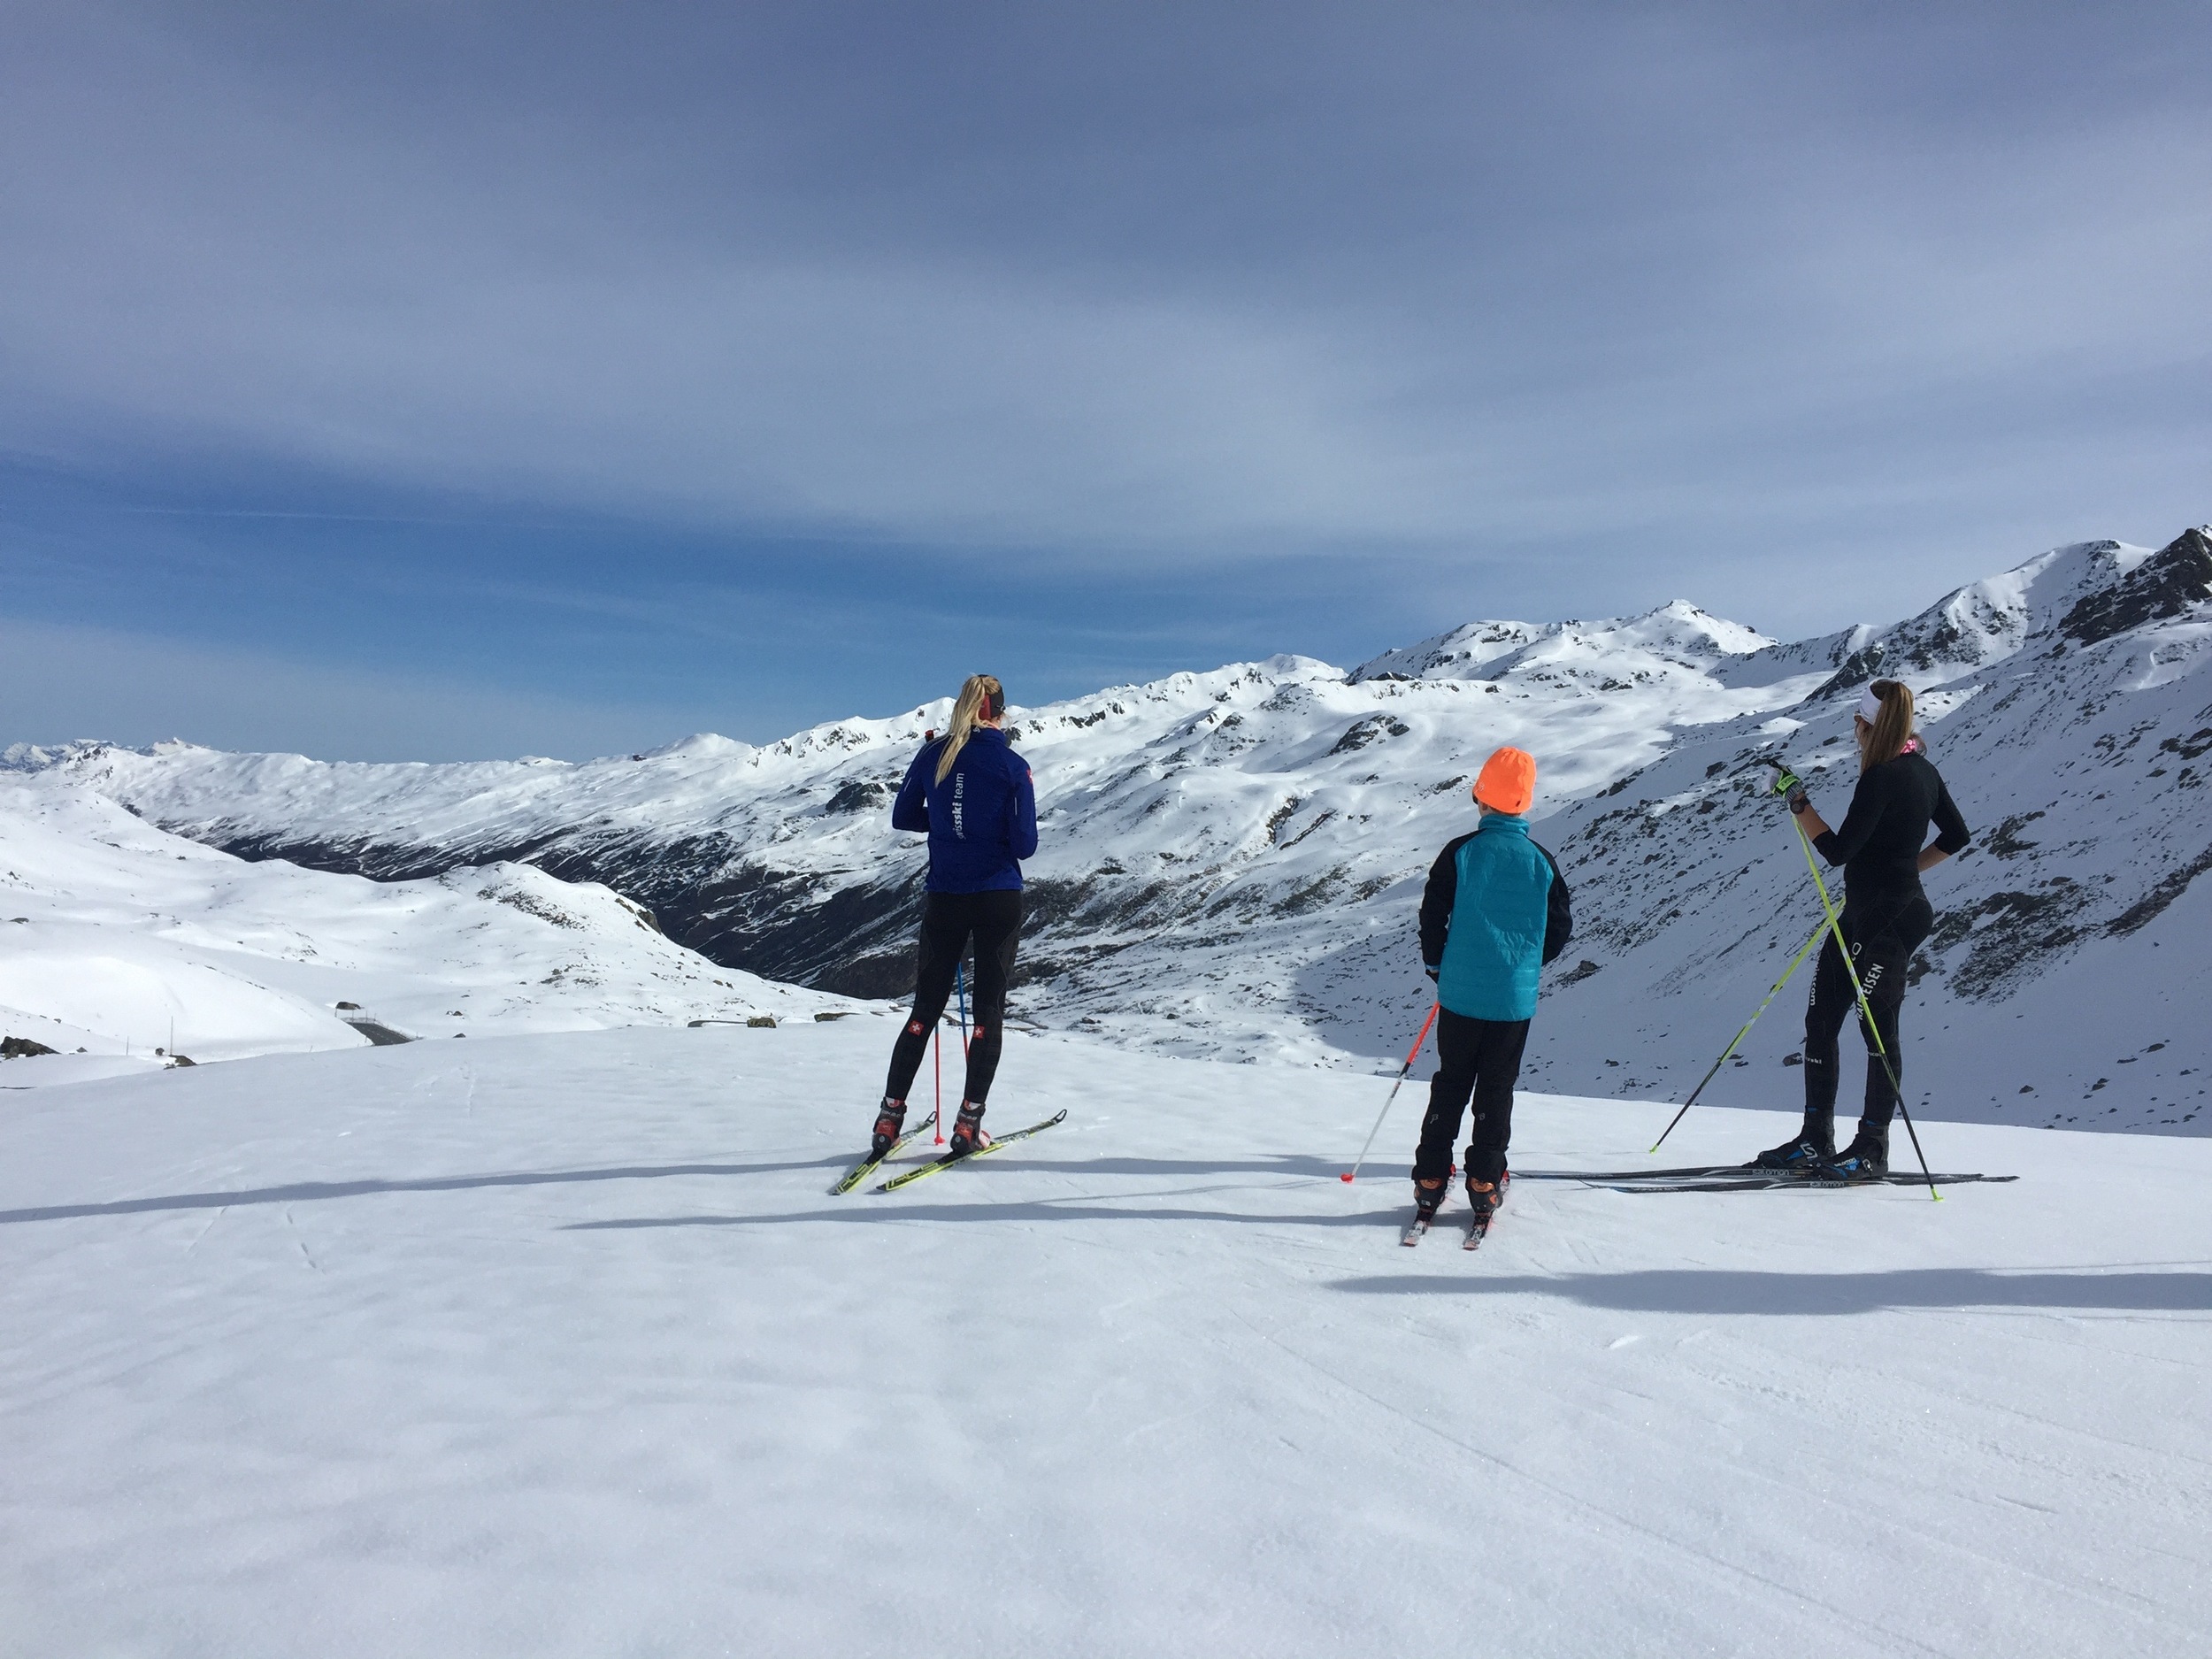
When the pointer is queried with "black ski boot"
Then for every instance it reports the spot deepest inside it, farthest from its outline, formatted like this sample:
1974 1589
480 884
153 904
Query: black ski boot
1428 1197
1484 1197
889 1122
1812 1148
1865 1159
967 1132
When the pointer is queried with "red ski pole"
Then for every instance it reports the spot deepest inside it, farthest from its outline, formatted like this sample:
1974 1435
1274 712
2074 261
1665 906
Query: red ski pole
1412 1054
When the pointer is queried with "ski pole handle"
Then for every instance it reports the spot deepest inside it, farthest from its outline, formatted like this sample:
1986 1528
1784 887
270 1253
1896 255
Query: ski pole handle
1411 1054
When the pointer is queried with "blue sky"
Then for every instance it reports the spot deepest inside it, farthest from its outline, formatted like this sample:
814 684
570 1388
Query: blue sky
414 380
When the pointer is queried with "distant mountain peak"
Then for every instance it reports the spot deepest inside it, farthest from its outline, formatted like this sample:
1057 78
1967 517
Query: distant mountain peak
1230 858
2156 587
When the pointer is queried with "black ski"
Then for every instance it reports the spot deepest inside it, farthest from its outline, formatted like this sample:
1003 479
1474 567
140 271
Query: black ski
1770 1183
936 1166
1728 1175
1697 1172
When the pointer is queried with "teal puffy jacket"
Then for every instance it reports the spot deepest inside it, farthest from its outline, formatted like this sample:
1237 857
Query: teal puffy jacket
1495 911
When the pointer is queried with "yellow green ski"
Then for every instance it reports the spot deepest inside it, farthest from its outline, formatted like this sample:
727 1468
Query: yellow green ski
938 1165
866 1167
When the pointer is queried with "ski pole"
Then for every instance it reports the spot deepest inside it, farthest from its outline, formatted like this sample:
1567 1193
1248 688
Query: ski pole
1410 1055
937 1107
960 979
1774 991
1866 1010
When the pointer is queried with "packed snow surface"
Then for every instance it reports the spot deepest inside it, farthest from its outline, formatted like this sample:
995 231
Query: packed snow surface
554 1345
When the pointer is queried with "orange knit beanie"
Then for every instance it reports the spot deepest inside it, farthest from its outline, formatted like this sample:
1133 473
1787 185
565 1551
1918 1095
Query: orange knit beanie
1508 783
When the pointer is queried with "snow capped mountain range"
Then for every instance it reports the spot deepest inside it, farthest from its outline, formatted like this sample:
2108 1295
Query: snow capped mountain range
1230 862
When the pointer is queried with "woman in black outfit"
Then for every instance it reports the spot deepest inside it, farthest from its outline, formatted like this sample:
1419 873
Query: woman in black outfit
1885 916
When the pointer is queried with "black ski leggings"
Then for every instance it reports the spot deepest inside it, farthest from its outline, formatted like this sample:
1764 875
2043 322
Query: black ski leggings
1882 959
1478 1060
949 920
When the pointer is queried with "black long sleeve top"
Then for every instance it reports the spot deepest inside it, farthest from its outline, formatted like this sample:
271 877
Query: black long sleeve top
1880 840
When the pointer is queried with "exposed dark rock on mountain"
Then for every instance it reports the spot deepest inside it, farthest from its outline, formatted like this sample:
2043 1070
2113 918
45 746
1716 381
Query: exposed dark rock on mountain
1230 861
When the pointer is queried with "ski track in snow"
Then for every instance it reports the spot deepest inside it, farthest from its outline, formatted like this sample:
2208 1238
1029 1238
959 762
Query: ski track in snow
567 1350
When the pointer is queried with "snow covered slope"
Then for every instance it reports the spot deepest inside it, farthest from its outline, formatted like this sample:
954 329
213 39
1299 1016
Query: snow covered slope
2068 980
554 1346
1206 839
1231 861
120 939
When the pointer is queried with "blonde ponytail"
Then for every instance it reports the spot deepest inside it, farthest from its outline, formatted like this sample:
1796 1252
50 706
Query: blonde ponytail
1892 728
980 698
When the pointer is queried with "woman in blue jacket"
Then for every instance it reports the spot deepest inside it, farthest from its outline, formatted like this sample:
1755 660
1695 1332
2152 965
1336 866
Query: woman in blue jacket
971 794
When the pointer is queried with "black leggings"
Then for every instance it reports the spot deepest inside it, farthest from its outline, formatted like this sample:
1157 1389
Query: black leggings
949 920
1882 959
1477 1058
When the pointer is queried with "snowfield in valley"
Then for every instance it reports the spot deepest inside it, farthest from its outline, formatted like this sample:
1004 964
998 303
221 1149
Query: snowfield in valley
554 1344
120 939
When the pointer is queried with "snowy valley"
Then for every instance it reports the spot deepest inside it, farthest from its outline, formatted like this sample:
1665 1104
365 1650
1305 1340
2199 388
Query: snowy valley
1231 861
122 945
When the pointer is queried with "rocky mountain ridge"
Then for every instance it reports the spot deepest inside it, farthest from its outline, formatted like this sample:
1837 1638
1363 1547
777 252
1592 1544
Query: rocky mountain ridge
1231 861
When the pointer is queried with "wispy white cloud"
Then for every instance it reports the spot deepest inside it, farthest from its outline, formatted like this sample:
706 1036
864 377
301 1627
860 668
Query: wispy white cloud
1555 309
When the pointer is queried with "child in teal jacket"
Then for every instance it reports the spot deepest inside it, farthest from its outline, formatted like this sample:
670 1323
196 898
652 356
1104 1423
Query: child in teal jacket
1495 911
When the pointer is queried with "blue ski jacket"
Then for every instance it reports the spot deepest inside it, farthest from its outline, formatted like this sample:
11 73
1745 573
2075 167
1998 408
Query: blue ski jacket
981 820
1493 912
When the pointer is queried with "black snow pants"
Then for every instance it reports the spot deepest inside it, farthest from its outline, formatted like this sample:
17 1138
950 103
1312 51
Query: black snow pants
1477 1058
1883 937
949 921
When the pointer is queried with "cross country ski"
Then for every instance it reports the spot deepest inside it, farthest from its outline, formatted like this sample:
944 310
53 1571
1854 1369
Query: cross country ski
938 1166
867 1166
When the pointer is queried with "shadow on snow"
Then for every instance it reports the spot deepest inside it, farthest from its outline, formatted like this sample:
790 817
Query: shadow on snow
306 1192
303 1192
858 1209
1721 1291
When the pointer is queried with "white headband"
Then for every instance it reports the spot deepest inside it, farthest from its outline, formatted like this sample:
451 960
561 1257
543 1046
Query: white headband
1869 706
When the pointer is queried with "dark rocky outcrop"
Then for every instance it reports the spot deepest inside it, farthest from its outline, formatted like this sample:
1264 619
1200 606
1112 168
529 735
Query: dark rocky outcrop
2164 586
